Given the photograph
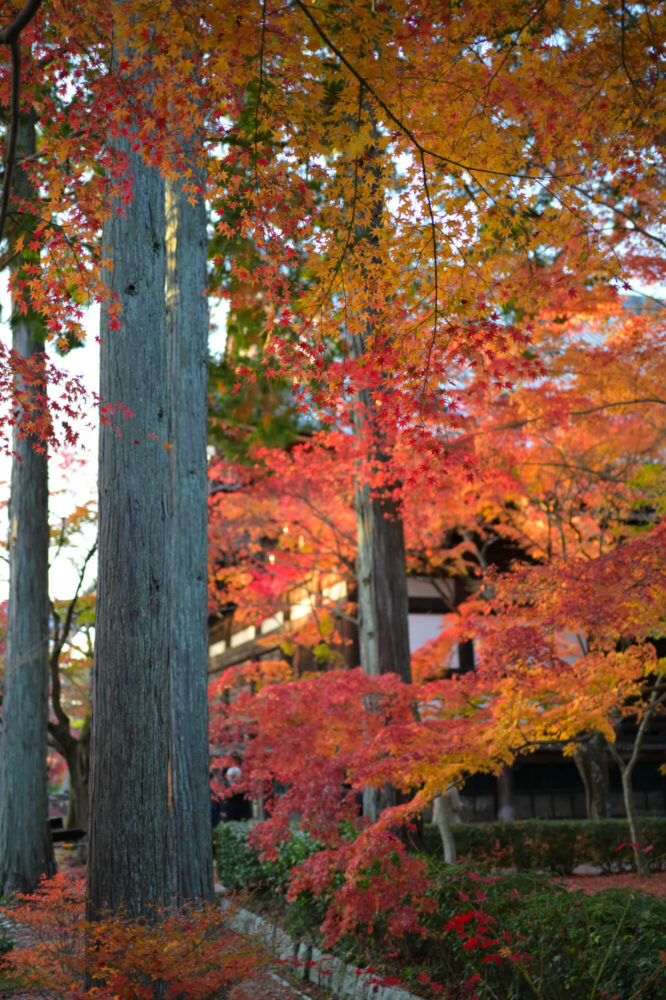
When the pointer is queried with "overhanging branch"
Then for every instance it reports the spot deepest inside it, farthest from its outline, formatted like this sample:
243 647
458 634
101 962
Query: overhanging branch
10 36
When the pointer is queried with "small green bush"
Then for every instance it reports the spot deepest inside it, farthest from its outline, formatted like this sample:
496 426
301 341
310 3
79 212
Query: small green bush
554 845
239 868
6 935
292 853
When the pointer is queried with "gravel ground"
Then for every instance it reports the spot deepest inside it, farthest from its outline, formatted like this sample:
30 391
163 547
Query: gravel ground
269 985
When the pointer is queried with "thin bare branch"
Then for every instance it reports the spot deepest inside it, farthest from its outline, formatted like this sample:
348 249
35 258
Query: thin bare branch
62 633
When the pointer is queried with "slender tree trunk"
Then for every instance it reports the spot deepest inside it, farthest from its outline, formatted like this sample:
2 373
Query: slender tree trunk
657 698
443 818
26 851
626 769
76 752
129 824
382 606
632 818
506 811
589 764
187 324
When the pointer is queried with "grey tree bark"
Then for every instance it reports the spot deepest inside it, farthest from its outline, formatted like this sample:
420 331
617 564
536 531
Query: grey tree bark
381 565
187 326
128 833
381 568
382 585
26 851
382 605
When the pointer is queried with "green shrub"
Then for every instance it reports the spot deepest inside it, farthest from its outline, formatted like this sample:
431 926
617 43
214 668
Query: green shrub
239 868
553 845
6 935
292 853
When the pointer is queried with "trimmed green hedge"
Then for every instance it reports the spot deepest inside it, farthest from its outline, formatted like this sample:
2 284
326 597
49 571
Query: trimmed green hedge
239 868
238 864
554 845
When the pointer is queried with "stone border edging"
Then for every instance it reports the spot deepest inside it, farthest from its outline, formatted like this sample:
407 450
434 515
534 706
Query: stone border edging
315 966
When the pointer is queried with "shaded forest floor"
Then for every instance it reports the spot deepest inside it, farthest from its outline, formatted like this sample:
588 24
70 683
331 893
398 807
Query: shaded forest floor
654 884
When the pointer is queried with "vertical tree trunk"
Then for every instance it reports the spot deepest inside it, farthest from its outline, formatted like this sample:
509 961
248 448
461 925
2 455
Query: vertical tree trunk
26 851
382 585
76 752
443 807
626 768
128 851
382 605
588 761
381 566
632 817
187 324
506 811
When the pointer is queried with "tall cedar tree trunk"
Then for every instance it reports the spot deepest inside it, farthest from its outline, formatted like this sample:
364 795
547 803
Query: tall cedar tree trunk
187 325
381 566
129 828
26 851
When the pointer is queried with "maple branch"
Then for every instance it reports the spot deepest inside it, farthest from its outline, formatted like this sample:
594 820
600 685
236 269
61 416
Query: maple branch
657 699
423 150
10 36
7 258
625 215
515 424
350 227
337 530
61 541
259 89
511 47
623 59
13 30
426 191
